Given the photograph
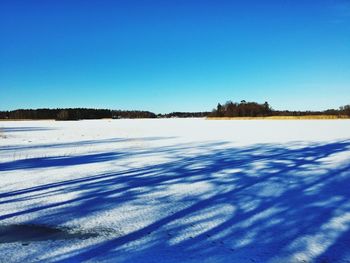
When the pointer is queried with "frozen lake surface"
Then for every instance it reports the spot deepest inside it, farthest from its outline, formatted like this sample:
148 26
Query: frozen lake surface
175 190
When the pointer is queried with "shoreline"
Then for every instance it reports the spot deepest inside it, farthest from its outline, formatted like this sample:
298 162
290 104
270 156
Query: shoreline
304 117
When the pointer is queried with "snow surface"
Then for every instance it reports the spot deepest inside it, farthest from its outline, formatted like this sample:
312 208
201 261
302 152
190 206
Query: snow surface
175 190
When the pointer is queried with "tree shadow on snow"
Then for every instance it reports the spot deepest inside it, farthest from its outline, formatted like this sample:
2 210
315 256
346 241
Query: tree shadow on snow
76 143
263 203
24 129
26 233
58 161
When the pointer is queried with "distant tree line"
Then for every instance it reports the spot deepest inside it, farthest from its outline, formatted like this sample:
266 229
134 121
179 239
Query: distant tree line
29 114
132 114
229 109
184 115
73 114
58 114
84 113
254 109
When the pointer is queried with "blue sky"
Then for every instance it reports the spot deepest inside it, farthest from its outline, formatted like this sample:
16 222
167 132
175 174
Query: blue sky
180 55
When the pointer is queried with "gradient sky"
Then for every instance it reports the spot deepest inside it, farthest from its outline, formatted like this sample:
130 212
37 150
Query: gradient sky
174 55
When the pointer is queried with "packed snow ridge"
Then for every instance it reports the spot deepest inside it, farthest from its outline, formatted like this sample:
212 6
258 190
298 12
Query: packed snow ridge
175 190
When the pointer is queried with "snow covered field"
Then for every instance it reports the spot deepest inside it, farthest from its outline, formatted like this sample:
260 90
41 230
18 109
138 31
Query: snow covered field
175 190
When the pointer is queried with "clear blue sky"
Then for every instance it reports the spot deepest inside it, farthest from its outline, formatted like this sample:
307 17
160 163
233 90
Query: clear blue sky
180 55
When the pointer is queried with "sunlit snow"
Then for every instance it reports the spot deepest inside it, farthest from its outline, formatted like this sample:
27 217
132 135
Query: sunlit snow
175 190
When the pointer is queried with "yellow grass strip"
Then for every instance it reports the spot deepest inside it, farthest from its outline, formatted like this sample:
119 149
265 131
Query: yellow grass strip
304 117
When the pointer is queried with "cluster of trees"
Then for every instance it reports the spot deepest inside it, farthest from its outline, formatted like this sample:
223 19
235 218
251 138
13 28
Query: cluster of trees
253 109
242 109
345 110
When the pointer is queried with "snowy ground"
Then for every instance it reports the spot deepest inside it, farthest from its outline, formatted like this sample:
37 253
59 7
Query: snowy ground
187 190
